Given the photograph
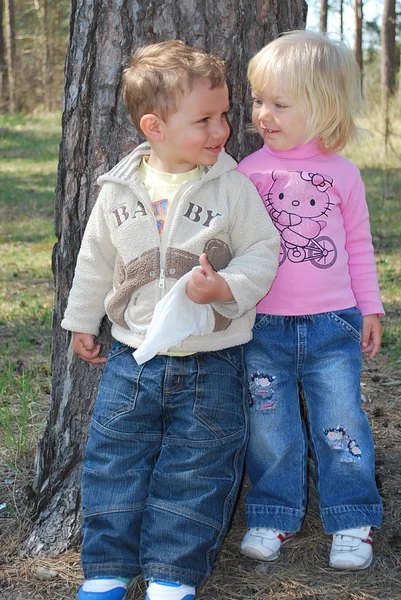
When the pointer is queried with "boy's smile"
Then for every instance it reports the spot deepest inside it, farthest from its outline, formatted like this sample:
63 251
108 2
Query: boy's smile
196 133
279 121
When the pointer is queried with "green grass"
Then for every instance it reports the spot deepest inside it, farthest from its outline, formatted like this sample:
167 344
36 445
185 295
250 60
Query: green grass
28 154
381 172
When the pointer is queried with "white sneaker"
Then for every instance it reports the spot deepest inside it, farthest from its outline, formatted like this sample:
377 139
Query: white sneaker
352 549
264 544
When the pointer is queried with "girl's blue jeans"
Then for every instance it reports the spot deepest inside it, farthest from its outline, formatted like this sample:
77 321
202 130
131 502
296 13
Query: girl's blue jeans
163 464
322 354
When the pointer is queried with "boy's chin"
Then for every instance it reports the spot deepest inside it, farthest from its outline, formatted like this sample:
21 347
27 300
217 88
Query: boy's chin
208 162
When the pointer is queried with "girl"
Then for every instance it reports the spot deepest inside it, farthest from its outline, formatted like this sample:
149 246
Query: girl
323 306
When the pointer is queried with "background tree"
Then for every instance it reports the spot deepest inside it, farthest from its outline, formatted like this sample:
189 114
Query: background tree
10 53
399 85
341 10
388 60
3 72
358 48
324 7
38 33
96 134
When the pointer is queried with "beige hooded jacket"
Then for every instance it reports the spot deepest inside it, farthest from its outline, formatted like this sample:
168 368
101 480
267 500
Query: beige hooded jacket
124 266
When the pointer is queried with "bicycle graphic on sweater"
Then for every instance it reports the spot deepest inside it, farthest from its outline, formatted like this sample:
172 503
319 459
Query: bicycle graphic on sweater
296 202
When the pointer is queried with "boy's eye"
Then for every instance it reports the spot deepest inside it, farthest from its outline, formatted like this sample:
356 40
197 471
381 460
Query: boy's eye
278 105
204 120
256 101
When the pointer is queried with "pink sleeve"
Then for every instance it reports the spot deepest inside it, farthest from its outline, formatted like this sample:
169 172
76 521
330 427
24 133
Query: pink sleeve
362 266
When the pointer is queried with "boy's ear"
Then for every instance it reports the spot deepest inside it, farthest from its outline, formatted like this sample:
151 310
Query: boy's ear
150 125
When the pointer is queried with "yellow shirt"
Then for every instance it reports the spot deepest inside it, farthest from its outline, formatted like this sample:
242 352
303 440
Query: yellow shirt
162 187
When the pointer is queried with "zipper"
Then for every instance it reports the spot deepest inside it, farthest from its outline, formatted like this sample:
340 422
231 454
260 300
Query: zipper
161 279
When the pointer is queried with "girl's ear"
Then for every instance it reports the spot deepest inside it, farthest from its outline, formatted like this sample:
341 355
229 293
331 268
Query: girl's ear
151 127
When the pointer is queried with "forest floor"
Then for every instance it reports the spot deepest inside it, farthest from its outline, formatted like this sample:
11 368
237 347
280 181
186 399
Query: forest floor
300 573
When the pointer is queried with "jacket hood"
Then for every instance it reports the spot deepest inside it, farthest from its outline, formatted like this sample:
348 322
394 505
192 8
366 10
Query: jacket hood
125 171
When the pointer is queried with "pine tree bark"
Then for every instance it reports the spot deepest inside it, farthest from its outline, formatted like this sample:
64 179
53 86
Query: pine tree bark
96 134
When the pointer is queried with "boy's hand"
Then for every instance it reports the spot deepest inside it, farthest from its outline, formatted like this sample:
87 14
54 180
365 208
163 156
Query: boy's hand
371 334
206 286
84 345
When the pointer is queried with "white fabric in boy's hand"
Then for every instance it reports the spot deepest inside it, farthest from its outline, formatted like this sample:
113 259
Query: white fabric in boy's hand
174 319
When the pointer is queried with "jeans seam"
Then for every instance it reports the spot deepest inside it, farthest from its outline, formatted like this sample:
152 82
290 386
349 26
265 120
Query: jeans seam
122 435
196 517
105 510
347 327
344 508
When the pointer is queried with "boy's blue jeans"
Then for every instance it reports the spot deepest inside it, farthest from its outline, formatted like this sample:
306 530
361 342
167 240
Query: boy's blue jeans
321 352
163 464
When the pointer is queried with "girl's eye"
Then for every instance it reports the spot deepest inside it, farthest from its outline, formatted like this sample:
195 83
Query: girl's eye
278 105
204 120
256 101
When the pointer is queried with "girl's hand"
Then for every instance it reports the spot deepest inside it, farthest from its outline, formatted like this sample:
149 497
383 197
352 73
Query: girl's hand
84 345
206 286
371 334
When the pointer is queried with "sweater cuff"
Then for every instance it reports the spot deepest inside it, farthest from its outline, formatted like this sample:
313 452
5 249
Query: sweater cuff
83 327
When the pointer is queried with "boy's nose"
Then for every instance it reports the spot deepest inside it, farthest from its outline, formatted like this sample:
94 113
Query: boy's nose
220 129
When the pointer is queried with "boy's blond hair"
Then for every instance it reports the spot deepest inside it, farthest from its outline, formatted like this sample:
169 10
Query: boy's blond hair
319 73
160 74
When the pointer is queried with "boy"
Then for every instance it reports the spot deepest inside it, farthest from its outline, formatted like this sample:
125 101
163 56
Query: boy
167 441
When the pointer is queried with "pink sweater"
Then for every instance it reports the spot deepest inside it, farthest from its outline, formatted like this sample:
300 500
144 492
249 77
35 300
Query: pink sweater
317 202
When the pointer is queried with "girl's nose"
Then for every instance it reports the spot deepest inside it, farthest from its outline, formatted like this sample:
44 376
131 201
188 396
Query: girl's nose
265 114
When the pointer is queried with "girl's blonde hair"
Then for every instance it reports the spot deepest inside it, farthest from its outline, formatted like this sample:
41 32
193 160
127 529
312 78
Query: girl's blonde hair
319 73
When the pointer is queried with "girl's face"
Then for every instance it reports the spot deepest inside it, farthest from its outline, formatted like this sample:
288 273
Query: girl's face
280 121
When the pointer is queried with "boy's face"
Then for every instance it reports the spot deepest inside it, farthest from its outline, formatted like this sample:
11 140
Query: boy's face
196 132
279 120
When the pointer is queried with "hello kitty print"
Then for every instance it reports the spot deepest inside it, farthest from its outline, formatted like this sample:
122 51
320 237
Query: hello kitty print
299 204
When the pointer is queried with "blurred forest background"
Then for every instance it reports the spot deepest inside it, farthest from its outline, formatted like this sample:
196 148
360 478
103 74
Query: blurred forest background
33 43
34 35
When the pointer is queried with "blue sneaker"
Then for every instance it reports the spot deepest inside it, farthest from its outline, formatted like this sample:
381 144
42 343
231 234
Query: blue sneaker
187 597
169 594
117 593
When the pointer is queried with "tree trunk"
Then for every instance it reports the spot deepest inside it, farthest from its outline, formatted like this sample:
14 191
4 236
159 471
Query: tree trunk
96 134
3 70
342 19
42 11
358 6
47 57
399 85
388 60
388 54
323 15
10 53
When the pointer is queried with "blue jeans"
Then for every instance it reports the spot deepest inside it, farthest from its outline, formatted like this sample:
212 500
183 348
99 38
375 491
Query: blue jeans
322 354
163 464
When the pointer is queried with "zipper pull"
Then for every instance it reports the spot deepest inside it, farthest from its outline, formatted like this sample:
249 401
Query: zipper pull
161 279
